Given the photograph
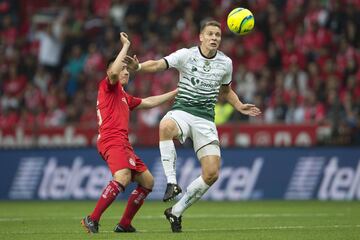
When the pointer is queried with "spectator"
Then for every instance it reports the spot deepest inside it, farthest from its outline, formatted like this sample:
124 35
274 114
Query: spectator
13 88
301 65
51 41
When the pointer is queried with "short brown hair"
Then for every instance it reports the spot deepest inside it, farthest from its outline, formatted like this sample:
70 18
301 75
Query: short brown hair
210 23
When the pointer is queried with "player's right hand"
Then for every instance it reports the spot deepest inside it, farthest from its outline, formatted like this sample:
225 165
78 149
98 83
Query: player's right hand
131 62
124 38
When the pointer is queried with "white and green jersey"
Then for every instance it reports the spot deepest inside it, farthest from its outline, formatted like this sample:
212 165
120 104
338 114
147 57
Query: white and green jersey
200 80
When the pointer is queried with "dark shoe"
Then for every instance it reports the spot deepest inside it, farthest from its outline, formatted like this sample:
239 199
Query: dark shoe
90 225
118 228
175 221
172 190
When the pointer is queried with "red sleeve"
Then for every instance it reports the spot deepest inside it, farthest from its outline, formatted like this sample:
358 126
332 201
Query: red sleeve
133 102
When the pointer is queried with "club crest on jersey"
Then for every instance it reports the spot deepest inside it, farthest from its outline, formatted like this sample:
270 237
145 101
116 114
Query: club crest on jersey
131 161
124 100
207 66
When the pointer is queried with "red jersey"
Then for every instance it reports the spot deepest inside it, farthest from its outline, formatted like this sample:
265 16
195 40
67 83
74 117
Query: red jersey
113 111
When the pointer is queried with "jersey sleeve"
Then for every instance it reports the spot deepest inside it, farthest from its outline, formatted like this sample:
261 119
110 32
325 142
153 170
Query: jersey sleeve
228 76
133 102
176 59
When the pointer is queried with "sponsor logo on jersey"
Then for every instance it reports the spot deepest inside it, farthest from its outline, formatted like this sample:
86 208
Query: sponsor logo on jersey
207 85
194 81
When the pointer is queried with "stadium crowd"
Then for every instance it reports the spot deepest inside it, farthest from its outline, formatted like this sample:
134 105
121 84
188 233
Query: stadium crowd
299 65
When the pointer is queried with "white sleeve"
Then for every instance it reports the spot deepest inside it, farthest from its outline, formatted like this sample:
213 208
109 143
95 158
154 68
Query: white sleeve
176 59
39 35
228 76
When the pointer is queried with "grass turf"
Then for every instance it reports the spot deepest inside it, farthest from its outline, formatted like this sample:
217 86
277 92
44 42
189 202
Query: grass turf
205 220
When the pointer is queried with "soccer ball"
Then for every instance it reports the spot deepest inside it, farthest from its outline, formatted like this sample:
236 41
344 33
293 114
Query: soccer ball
240 21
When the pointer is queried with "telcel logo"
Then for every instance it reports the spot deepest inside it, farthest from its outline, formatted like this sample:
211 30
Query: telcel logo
340 183
234 183
77 181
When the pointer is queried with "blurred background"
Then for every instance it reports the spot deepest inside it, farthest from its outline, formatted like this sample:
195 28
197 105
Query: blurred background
300 66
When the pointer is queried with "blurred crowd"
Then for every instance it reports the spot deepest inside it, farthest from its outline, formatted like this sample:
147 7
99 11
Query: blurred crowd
299 65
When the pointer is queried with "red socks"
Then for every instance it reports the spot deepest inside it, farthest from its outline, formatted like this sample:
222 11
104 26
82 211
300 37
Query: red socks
107 197
136 199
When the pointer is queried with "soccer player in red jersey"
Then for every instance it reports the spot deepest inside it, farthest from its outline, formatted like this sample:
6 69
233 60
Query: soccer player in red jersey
113 108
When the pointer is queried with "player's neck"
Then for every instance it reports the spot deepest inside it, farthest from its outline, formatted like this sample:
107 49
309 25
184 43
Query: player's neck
207 53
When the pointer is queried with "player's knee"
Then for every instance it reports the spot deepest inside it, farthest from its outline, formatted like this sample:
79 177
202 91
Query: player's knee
122 177
167 128
149 183
146 180
210 176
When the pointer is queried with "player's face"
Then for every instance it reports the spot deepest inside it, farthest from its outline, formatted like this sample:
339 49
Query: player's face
210 37
124 75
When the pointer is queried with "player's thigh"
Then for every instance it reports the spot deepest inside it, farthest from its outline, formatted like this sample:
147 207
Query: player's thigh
204 132
145 179
168 128
182 122
123 176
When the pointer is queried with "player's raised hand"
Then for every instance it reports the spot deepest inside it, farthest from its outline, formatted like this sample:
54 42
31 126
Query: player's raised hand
250 109
131 62
124 38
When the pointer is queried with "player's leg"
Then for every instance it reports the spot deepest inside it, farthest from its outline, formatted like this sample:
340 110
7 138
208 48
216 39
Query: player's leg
121 179
210 166
117 159
145 184
206 145
168 130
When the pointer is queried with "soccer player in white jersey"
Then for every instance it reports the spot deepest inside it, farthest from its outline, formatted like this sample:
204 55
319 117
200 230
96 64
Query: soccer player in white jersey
204 73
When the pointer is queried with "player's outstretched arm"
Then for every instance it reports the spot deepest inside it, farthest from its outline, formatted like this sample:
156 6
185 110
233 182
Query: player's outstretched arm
147 66
117 65
157 100
232 98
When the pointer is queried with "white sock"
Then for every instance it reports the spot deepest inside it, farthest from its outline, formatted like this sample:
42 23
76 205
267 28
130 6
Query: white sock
168 159
193 193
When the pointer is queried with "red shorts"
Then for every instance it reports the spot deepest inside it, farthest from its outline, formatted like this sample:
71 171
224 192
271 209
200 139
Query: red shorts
121 157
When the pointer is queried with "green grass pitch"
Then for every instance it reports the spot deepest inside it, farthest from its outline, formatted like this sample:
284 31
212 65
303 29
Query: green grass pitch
205 220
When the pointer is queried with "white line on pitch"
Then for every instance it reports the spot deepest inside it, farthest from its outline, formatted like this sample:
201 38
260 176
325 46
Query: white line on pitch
190 216
190 230
254 228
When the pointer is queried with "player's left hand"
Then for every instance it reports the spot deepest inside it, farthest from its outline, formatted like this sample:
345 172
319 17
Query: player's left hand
131 62
249 109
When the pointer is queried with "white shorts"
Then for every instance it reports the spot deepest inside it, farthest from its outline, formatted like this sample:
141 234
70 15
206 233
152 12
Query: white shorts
201 131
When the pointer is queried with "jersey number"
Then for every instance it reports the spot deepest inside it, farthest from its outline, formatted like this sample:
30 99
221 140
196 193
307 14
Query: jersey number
98 114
